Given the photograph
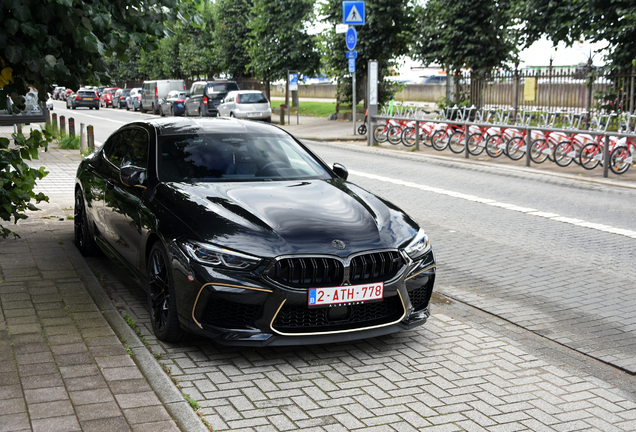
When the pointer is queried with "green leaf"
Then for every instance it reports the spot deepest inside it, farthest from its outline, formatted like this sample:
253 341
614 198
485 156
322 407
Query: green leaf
12 26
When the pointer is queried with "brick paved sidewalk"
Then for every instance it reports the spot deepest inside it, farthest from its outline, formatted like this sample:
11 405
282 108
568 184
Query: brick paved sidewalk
68 361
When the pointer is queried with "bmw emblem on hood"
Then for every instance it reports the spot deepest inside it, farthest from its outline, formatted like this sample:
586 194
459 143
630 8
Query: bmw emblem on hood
338 244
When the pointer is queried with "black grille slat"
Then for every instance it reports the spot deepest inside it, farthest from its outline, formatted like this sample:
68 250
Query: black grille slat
315 272
301 319
226 313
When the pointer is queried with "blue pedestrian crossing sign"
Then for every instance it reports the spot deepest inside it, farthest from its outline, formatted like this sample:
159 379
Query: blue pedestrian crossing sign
353 12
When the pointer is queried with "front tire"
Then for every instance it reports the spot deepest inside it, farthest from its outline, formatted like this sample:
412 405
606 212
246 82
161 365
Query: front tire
494 146
379 133
162 302
540 150
394 136
439 140
562 156
476 144
590 156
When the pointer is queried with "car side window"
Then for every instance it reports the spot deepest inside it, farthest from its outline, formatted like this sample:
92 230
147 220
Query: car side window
137 154
116 147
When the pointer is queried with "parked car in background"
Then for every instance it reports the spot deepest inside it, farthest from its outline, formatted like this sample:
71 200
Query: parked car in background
49 102
205 97
133 101
100 90
246 104
153 91
173 103
84 98
119 100
57 93
66 93
106 99
238 232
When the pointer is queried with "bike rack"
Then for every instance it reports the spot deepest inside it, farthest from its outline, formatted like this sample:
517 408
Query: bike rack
571 125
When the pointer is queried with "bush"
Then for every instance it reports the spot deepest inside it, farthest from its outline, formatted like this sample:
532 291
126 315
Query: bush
17 179
68 143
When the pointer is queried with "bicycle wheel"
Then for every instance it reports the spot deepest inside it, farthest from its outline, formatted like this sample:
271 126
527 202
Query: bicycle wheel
408 136
439 140
516 148
590 156
620 160
495 146
394 135
380 133
540 150
564 153
476 144
456 142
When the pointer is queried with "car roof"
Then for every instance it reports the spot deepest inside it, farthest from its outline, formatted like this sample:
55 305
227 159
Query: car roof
186 126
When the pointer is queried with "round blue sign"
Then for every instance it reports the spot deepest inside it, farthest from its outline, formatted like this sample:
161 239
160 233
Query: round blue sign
352 38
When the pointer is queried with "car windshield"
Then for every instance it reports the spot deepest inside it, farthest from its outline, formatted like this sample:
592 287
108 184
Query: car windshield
252 98
235 158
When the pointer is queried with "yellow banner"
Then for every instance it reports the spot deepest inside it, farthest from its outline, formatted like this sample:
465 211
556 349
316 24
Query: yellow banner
530 89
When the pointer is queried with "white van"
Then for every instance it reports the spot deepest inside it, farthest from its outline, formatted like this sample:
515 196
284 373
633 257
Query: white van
153 91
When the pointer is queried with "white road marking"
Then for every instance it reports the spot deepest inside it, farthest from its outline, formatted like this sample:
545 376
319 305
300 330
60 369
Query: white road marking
513 207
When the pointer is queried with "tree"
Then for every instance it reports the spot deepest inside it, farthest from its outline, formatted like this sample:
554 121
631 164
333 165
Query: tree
384 38
231 35
278 39
43 42
473 34
65 41
567 21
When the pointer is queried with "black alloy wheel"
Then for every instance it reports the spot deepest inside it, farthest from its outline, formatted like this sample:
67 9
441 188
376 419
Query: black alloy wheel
161 297
83 240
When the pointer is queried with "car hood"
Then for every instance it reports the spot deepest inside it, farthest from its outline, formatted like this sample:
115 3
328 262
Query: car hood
270 219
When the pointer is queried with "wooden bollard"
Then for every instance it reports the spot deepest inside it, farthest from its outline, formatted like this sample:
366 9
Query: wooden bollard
71 127
82 139
62 125
54 122
90 138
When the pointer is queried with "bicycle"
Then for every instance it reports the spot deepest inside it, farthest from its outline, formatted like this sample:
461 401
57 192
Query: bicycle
496 141
440 138
569 149
516 145
591 154
622 156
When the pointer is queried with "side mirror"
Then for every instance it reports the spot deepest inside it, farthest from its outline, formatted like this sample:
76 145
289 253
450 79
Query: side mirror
340 171
133 176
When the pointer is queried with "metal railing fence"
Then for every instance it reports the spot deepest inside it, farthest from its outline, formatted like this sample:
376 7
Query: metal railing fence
465 124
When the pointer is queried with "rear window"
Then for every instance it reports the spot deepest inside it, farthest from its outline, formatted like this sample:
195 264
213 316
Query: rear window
112 91
222 87
125 92
86 94
252 98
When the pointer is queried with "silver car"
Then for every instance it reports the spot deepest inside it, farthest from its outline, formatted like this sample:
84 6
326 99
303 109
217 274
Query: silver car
133 100
246 104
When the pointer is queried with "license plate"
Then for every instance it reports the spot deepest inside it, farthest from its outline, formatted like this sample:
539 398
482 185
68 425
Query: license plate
346 294
88 98
254 114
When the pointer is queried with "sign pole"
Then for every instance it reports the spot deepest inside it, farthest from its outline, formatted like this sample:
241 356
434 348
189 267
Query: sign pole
372 97
354 102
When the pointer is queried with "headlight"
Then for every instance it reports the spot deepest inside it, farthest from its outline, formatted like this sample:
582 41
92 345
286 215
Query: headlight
419 245
218 257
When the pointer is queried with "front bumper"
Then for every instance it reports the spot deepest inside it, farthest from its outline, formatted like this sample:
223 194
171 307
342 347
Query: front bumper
238 308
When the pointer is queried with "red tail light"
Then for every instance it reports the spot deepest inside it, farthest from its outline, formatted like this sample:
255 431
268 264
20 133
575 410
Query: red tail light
205 100
180 101
238 99
156 92
77 97
139 97
121 98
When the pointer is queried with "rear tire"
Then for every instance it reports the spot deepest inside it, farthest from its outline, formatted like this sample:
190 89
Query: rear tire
456 142
394 136
561 154
408 136
590 156
439 140
83 239
494 146
540 150
620 160
476 144
380 134
162 302
515 148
